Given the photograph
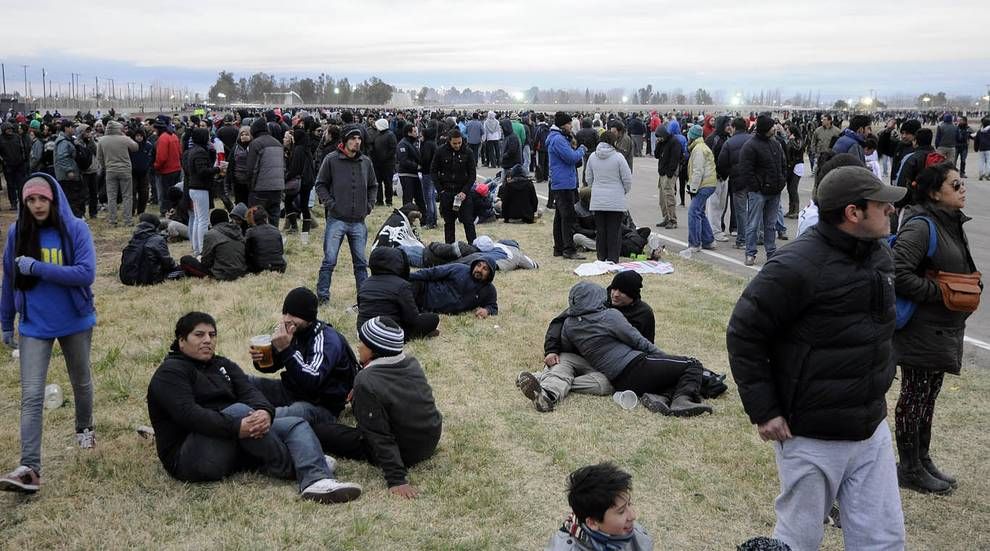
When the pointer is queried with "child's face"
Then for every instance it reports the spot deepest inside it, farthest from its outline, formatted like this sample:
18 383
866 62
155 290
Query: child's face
618 519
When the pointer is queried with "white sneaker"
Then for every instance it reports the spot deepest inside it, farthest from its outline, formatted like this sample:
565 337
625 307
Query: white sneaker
721 237
86 439
331 464
688 252
328 490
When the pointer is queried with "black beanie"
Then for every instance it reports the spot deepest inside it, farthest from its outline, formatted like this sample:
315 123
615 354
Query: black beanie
763 124
629 282
259 127
218 216
301 303
560 119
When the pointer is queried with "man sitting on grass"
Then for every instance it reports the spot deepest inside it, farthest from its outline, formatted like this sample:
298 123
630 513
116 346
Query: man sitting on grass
398 424
388 293
146 259
210 421
223 251
263 247
316 361
602 514
456 288
568 371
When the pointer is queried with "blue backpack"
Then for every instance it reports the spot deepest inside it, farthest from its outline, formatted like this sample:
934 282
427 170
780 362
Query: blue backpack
906 307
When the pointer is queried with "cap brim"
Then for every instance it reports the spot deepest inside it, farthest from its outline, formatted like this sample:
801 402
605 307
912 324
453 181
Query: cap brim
888 194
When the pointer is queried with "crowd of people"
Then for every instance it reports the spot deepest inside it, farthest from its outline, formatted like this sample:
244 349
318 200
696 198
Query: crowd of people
813 342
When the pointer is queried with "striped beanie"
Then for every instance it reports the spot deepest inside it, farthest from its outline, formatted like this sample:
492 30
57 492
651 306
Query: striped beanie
383 336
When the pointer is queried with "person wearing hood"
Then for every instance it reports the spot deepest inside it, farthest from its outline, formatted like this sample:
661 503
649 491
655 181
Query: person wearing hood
49 265
679 134
456 288
223 251
668 153
266 170
300 167
493 140
388 293
518 196
511 154
408 165
15 157
666 384
347 188
947 138
851 139
199 173
610 180
708 127
146 259
981 145
701 184
383 159
263 247
564 160
113 153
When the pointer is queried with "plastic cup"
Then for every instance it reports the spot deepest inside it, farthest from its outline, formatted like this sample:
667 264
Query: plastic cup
53 396
626 399
263 344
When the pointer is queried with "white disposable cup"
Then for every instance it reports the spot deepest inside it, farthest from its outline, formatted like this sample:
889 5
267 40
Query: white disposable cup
626 399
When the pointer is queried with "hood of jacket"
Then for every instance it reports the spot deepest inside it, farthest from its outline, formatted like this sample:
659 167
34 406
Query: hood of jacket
851 134
201 136
229 230
674 127
506 125
586 298
145 230
604 151
114 128
389 261
721 122
662 133
491 269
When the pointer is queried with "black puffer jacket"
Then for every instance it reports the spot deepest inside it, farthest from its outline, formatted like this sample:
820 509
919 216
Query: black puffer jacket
196 162
383 151
933 339
728 160
388 291
810 337
762 167
518 196
454 171
668 153
263 249
407 159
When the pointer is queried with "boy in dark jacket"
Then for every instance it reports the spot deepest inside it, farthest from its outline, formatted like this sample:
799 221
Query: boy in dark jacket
263 249
316 362
210 421
398 424
155 261
668 153
388 293
223 251
456 288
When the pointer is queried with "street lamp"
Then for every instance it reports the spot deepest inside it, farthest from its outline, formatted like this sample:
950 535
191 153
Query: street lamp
336 90
625 99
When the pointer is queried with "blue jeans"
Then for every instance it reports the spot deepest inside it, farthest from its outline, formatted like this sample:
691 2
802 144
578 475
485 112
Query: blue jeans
699 229
357 240
36 355
288 405
414 254
526 158
199 218
430 197
740 201
763 211
289 448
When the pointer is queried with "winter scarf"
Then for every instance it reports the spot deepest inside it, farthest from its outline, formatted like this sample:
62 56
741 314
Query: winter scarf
599 541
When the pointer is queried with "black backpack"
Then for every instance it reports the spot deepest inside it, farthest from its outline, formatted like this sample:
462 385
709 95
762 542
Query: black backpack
134 265
712 384
84 155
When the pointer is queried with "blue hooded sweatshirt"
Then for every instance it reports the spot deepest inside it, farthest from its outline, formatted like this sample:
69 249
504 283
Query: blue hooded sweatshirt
563 160
675 130
450 288
61 303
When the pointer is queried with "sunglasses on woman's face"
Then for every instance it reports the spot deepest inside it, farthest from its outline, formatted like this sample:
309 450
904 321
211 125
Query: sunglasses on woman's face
956 184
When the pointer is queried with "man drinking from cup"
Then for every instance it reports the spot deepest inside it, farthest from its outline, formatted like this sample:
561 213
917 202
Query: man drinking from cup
317 364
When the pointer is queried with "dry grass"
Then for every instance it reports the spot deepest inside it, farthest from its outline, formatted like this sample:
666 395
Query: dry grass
497 479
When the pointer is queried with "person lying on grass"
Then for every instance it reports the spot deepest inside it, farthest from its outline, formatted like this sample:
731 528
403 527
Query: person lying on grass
316 363
456 288
388 293
210 421
602 514
568 371
398 424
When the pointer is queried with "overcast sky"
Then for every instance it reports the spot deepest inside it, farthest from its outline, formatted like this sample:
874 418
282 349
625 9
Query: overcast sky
835 46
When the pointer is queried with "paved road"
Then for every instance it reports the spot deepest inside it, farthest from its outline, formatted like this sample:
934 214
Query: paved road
646 212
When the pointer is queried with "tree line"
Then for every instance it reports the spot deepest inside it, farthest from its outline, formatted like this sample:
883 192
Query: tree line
259 87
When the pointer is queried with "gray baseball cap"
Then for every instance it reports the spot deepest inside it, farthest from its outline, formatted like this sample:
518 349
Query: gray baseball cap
847 184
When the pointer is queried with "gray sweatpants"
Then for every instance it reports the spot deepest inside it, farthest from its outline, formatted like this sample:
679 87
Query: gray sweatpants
120 181
861 475
573 373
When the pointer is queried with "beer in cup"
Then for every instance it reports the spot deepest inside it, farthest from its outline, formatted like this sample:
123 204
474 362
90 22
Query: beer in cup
263 344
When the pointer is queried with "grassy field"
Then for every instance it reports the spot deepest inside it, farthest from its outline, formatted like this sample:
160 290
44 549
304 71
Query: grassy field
497 480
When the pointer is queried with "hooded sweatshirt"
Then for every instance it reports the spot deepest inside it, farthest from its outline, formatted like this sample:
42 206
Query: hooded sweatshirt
61 303
600 334
223 252
451 289
610 179
388 291
493 130
113 152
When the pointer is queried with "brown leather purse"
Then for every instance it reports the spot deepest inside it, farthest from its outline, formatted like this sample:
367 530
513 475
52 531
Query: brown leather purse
960 292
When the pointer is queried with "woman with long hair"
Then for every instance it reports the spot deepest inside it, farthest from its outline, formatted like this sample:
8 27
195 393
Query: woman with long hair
49 265
931 343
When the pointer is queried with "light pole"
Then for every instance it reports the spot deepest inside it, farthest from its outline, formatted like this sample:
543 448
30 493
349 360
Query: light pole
25 81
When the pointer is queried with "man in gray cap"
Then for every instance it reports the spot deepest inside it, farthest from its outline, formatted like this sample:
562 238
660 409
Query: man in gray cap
809 344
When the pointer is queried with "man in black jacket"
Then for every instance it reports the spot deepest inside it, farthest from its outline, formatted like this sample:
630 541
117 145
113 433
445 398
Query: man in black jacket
263 248
668 153
588 137
762 173
408 166
388 293
210 421
728 166
398 424
453 171
810 347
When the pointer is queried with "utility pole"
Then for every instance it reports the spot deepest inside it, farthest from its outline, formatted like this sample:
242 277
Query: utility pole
3 73
44 92
25 80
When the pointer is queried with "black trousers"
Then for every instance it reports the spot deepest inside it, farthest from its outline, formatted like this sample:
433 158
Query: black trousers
385 191
412 192
77 193
423 325
465 214
668 375
140 185
793 202
92 182
564 218
542 165
608 237
15 176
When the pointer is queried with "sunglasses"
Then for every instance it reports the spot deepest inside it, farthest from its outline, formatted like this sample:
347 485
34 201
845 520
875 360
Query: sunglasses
956 184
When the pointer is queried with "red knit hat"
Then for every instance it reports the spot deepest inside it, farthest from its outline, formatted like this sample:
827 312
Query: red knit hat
37 186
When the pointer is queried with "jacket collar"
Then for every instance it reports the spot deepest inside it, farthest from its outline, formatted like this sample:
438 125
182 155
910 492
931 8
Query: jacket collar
387 361
849 244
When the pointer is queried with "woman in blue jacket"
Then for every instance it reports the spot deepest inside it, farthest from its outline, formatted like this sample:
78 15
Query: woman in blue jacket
49 265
